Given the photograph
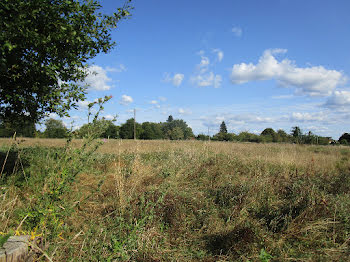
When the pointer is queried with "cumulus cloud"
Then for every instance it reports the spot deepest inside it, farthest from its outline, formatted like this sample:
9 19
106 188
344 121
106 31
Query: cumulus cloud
207 79
308 117
97 78
202 76
237 31
340 100
312 81
125 100
176 80
219 53
153 102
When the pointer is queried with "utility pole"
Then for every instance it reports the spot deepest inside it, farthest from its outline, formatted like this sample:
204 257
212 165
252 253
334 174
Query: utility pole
134 124
208 134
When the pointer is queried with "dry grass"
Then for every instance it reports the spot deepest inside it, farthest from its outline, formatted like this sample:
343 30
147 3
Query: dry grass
285 154
197 201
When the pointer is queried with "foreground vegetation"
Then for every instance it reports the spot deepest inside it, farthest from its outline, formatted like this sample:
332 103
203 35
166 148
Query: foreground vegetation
177 200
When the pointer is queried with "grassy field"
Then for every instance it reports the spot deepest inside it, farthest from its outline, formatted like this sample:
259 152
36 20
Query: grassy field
177 200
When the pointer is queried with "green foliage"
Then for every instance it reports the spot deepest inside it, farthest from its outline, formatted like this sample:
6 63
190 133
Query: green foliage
264 256
127 129
202 137
176 129
45 46
55 129
249 137
24 128
151 131
3 239
188 204
269 135
223 128
101 128
297 134
344 137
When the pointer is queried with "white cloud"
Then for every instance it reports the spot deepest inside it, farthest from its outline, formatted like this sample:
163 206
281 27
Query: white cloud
204 61
153 102
237 31
282 97
97 78
53 115
340 100
308 117
202 77
109 117
312 81
119 69
183 111
219 53
176 80
126 100
84 104
208 79
162 98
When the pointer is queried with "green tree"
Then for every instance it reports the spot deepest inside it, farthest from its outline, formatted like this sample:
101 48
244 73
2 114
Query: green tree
24 128
55 129
111 130
170 119
269 135
344 137
176 133
44 49
127 129
151 131
282 136
170 125
223 128
297 134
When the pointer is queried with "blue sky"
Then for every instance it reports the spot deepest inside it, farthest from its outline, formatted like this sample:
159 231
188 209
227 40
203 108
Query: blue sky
251 63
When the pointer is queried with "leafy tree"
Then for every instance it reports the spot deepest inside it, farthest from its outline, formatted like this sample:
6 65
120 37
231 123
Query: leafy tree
127 129
22 128
269 135
151 131
55 129
202 137
111 130
223 128
188 133
45 46
249 137
297 134
170 119
344 137
170 125
176 133
282 136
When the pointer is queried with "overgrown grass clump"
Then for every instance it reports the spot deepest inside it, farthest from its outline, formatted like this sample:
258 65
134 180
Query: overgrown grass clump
186 201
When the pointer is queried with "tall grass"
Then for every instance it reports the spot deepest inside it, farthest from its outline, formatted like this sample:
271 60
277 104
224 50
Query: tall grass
180 200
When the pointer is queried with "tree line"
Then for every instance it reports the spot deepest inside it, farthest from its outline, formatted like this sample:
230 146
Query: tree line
173 129
269 135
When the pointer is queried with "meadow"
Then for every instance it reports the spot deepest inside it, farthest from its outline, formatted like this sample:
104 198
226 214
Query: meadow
126 200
